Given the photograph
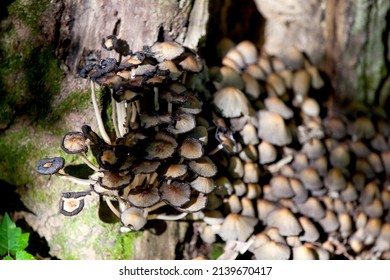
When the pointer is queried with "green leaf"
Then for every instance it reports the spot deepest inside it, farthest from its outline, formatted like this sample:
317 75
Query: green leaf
8 258
11 238
23 255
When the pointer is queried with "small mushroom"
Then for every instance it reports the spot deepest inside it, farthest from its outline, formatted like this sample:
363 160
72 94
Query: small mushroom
191 64
362 128
303 252
275 85
264 208
300 192
280 187
110 42
276 105
267 152
166 50
161 147
226 77
134 218
312 208
71 203
145 167
237 227
285 221
203 167
248 51
335 180
310 179
273 129
203 184
234 204
182 123
301 85
175 171
74 143
251 172
272 250
191 149
197 202
175 193
114 181
310 232
310 107
231 102
329 222
143 196
293 58
49 166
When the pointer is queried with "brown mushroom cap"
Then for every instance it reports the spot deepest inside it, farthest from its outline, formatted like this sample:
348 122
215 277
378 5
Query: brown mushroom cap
191 149
114 181
151 120
191 64
237 227
74 143
182 123
175 171
285 221
71 203
143 196
145 167
175 193
197 202
310 179
134 218
166 50
161 147
203 184
203 167
273 129
231 102
335 180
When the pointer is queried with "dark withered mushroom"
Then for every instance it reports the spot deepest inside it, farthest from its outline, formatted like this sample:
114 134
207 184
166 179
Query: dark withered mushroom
110 42
71 203
49 166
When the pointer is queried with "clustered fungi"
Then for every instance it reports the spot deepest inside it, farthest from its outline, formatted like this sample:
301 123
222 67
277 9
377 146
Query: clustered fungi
284 175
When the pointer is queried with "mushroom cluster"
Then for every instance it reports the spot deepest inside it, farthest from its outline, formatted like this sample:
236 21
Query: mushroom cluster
301 181
158 154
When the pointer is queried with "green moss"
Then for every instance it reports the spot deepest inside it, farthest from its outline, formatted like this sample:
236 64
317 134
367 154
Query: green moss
29 11
216 251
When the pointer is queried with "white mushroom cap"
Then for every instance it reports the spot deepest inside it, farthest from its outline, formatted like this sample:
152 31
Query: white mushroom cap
267 152
166 50
329 223
264 207
275 84
237 227
285 221
213 217
234 204
203 184
339 156
196 203
300 192
251 172
280 187
247 207
346 224
303 253
301 85
272 250
293 58
252 86
310 179
316 80
249 134
248 51
314 148
310 107
253 190
276 105
310 232
231 102
273 129
312 208
256 72
134 218
225 77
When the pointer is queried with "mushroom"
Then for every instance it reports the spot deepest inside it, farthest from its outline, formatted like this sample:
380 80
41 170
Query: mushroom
197 202
264 208
226 77
182 123
251 172
110 42
310 232
300 192
310 107
144 196
312 208
310 179
203 184
276 105
252 87
166 50
253 190
249 134
314 148
191 64
213 217
329 222
134 218
71 203
272 250
303 252
191 149
145 167
301 85
237 227
275 85
49 166
317 81
231 102
234 204
175 193
256 72
247 207
175 171
280 187
335 180
267 152
293 58
273 129
239 186
285 221
362 128
161 147
114 181
203 167
248 51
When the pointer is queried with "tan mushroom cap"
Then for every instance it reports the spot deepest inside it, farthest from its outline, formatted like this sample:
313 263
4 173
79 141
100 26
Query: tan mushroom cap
166 50
273 129
175 171
74 143
285 221
151 120
182 123
314 148
267 152
330 222
310 107
197 202
248 51
231 102
143 196
249 134
300 192
251 172
312 208
276 105
237 227
335 180
252 87
226 77
264 207
340 156
191 149
134 218
161 147
362 128
303 252
293 58
272 250
213 217
145 167
280 187
335 127
114 181
203 184
191 64
310 179
203 167
301 85
175 193
256 72
310 232
170 66
275 84
316 80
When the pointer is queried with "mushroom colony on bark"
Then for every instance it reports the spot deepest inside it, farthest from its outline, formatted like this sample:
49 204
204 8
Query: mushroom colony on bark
251 148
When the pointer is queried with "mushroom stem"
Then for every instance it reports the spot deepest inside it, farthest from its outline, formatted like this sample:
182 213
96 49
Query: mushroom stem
156 104
216 149
156 206
115 117
167 217
89 163
273 168
73 179
133 112
170 108
121 111
111 206
99 120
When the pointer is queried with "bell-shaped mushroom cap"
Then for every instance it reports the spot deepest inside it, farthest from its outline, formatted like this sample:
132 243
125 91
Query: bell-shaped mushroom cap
264 207
170 66
310 107
71 203
293 58
273 129
49 166
175 193
114 181
74 143
301 85
310 179
236 167
339 156
166 50
382 243
175 171
143 196
151 120
234 204
226 77
203 184
280 187
272 250
335 180
234 59
199 133
267 152
276 105
312 208
203 167
362 128
300 192
197 202
134 218
192 105
145 167
237 227
385 156
191 149
335 127
251 172
310 232
161 147
374 209
182 123
191 64
252 87
346 224
314 148
275 84
231 102
285 221
329 223
213 217
303 252
316 80
248 51
249 134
